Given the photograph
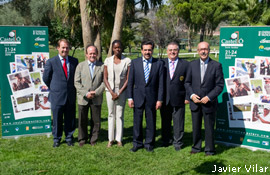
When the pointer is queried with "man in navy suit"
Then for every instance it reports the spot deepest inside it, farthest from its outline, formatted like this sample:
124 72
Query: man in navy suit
59 77
173 107
204 83
145 93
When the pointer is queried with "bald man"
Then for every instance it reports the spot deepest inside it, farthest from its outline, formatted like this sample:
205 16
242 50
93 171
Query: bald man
203 84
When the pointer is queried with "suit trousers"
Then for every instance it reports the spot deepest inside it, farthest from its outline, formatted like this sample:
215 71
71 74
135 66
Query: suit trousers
115 116
67 112
95 122
177 114
209 124
150 131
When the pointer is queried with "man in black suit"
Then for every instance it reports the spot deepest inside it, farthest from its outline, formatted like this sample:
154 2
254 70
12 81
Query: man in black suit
59 77
204 83
175 94
145 93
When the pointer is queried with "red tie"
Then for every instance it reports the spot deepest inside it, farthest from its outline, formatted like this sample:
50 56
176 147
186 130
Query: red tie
65 67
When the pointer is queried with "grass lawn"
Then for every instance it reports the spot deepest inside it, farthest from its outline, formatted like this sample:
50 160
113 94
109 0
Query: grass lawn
35 155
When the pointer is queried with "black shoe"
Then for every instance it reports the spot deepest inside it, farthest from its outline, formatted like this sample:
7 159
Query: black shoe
177 148
134 149
209 154
149 149
56 144
70 143
193 152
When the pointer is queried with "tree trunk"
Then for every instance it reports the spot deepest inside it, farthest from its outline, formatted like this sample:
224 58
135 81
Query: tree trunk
86 25
202 32
189 39
118 23
98 44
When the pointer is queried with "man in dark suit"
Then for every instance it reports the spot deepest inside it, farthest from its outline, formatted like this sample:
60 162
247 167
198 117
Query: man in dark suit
90 87
145 93
204 83
175 94
59 77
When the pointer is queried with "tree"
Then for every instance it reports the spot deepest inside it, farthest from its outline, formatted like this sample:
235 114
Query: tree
13 17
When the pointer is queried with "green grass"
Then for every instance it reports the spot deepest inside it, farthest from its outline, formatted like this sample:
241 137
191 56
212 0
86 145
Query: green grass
35 155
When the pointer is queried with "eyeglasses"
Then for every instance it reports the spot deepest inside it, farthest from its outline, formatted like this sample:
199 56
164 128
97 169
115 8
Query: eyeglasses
203 49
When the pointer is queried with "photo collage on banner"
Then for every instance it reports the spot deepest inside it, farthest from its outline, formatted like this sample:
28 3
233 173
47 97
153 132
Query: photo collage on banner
29 92
248 87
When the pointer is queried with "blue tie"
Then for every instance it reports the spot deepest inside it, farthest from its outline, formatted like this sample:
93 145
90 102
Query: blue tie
92 69
146 71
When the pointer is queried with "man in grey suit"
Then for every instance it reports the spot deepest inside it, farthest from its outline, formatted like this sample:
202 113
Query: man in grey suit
89 84
59 77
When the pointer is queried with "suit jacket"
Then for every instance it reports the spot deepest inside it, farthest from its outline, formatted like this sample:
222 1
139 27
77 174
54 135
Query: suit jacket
84 83
109 62
61 88
139 90
175 92
211 86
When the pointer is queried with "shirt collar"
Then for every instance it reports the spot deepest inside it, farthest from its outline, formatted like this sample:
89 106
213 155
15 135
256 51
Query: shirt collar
170 61
61 58
149 60
205 62
89 62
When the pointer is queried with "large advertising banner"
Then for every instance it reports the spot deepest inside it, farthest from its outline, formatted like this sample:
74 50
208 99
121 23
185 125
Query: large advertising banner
24 96
244 111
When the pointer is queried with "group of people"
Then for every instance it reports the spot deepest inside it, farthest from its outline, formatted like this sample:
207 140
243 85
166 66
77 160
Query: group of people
149 84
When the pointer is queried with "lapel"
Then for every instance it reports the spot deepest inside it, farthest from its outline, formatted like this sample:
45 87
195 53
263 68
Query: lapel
87 70
140 69
97 67
59 64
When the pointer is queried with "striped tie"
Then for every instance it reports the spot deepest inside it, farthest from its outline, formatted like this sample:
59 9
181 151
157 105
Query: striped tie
172 69
202 71
146 71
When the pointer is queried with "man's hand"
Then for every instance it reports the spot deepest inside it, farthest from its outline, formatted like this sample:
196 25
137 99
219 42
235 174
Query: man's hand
205 100
90 94
196 99
186 102
131 103
158 105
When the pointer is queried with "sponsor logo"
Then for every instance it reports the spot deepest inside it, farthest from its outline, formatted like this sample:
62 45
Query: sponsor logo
47 126
233 41
266 143
12 38
37 127
27 128
241 139
265 41
39 39
263 33
39 32
17 128
6 131
262 48
253 141
230 137
37 45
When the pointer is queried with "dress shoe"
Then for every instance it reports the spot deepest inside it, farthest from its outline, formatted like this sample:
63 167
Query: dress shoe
56 144
209 154
149 149
134 149
110 143
81 144
93 143
70 143
193 152
177 148
119 144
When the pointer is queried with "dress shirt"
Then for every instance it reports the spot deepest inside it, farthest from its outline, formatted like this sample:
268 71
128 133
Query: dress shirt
62 62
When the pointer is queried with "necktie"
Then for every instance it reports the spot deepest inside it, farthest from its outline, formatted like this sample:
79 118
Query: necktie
202 71
92 69
146 71
65 67
172 69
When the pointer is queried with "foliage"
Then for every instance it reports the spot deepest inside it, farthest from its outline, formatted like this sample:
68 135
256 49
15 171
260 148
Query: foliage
41 11
13 17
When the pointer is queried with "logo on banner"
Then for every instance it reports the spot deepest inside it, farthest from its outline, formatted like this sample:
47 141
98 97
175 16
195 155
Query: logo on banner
234 41
263 33
47 126
253 141
37 127
11 38
27 128
6 131
262 48
265 41
37 45
265 143
17 128
39 39
39 32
